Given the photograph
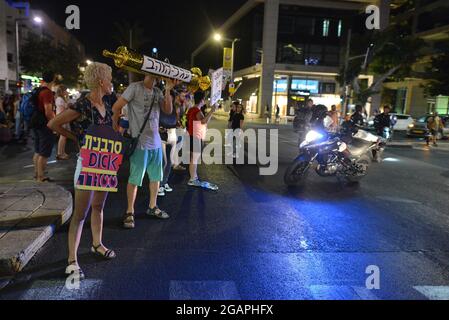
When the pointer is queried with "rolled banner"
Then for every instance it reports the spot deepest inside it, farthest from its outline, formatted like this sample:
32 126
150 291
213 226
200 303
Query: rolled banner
164 69
139 63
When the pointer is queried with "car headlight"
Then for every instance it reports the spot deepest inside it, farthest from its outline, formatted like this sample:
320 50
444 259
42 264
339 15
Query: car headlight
411 126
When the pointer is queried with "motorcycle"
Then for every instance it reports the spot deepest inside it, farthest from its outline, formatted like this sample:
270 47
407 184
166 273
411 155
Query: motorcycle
328 151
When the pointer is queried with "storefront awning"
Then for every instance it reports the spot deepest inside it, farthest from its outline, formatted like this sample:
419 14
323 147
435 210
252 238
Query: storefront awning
247 88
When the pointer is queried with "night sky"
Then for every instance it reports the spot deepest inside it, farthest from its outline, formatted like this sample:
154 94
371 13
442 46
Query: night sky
176 28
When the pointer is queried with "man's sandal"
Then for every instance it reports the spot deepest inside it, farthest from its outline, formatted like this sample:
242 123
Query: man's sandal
129 221
108 255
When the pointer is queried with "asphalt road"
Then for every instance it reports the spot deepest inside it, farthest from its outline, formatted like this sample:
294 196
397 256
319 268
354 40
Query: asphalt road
256 239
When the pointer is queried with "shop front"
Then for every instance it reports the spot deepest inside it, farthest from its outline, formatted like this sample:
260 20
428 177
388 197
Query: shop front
289 93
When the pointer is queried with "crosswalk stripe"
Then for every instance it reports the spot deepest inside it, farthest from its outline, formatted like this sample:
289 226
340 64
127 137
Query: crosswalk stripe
57 290
434 292
320 292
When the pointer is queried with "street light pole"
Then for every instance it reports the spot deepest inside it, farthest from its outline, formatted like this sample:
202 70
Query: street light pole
17 50
348 49
38 20
233 56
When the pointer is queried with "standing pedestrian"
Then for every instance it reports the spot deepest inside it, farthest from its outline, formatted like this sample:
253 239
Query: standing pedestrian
169 139
238 121
435 125
267 114
333 114
44 139
231 116
181 105
145 101
278 114
18 118
197 124
90 110
61 106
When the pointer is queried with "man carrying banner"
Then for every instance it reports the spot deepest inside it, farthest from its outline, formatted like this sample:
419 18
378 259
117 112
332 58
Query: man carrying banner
143 97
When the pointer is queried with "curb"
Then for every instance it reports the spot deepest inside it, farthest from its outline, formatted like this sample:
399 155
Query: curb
19 244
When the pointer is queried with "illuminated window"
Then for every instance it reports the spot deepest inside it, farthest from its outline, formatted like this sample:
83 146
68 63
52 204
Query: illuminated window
326 24
340 25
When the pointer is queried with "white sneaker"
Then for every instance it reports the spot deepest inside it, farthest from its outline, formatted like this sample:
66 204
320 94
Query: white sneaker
167 188
161 192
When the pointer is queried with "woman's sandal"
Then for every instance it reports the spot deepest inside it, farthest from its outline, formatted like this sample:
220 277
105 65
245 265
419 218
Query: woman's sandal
108 255
73 268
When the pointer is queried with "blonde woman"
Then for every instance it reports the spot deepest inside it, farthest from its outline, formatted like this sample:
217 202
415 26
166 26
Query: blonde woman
61 106
91 110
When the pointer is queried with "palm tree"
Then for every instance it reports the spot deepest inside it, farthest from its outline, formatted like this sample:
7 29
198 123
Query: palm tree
130 35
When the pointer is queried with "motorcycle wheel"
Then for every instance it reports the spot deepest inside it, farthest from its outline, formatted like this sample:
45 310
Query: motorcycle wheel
296 174
363 161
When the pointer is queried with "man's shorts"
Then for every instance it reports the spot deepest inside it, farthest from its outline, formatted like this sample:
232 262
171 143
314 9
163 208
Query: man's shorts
44 141
149 161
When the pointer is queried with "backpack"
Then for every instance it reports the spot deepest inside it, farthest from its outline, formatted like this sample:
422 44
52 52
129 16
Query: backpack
38 119
29 103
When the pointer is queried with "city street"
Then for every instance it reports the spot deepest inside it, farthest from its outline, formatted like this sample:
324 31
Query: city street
256 239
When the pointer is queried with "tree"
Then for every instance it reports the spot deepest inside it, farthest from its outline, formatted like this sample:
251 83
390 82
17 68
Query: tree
437 75
131 36
392 53
39 55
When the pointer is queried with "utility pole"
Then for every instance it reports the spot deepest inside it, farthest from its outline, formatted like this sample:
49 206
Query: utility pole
345 72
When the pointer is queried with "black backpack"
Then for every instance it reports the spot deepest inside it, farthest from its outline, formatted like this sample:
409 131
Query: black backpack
38 118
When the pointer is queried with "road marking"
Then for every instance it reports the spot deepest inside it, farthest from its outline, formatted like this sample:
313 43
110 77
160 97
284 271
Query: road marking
396 199
341 293
203 290
434 292
56 290
32 165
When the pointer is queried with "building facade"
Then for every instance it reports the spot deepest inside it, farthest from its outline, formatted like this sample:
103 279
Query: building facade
21 12
292 50
429 21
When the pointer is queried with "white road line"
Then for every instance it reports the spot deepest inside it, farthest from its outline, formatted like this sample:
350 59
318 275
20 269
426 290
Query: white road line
32 165
203 290
341 293
365 294
56 290
396 199
434 292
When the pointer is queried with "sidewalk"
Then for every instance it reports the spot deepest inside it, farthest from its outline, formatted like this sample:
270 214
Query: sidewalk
30 212
29 216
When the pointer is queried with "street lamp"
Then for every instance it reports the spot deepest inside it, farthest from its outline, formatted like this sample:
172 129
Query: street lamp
218 37
37 20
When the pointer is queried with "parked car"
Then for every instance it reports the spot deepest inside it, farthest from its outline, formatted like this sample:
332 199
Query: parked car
403 121
419 128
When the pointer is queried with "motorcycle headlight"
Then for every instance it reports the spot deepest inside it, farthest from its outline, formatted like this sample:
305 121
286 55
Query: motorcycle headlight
313 136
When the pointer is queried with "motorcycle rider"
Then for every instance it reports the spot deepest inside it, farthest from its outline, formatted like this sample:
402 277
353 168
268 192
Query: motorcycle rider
383 120
358 118
301 123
